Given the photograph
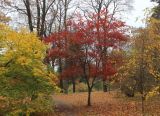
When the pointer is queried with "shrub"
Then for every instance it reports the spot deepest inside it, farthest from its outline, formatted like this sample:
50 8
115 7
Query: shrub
80 87
26 84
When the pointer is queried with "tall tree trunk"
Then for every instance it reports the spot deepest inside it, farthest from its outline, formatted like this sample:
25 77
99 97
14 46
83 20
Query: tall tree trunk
29 15
60 61
43 18
142 75
38 17
65 14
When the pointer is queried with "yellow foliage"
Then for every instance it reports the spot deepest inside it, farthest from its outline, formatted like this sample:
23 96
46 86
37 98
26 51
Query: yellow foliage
24 61
155 91
21 59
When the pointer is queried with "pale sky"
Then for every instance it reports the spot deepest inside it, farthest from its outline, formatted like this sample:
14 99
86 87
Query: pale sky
138 12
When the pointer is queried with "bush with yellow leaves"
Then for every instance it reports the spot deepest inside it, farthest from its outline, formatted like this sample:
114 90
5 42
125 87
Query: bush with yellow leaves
25 82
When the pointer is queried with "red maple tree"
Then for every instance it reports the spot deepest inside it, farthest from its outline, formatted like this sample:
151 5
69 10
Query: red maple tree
86 45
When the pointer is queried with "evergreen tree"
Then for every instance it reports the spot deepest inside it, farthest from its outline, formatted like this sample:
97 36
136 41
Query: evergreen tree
156 9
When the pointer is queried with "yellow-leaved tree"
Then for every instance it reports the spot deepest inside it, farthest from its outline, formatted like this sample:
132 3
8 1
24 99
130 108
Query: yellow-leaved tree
26 84
154 53
142 70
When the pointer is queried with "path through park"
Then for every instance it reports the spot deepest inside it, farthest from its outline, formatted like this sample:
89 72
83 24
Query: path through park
103 104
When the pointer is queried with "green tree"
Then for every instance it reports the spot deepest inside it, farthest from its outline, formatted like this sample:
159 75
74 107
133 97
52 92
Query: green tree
156 9
25 82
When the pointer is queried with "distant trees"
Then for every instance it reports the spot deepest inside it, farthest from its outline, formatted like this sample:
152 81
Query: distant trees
4 18
41 16
39 13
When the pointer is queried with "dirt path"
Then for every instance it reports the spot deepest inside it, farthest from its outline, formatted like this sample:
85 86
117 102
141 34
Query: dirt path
63 108
103 104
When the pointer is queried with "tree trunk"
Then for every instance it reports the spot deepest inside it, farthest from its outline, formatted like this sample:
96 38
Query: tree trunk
105 87
66 86
29 15
89 96
109 86
38 17
142 74
61 85
74 85
143 99
60 71
42 31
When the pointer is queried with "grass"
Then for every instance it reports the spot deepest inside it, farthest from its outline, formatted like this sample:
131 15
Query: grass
104 104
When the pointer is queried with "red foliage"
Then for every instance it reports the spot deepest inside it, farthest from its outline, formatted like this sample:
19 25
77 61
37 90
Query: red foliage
71 72
86 41
108 70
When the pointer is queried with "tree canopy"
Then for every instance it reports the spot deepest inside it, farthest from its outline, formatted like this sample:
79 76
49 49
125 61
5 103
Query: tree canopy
25 81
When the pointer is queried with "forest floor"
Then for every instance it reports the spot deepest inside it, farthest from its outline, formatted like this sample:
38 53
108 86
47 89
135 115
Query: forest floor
104 104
